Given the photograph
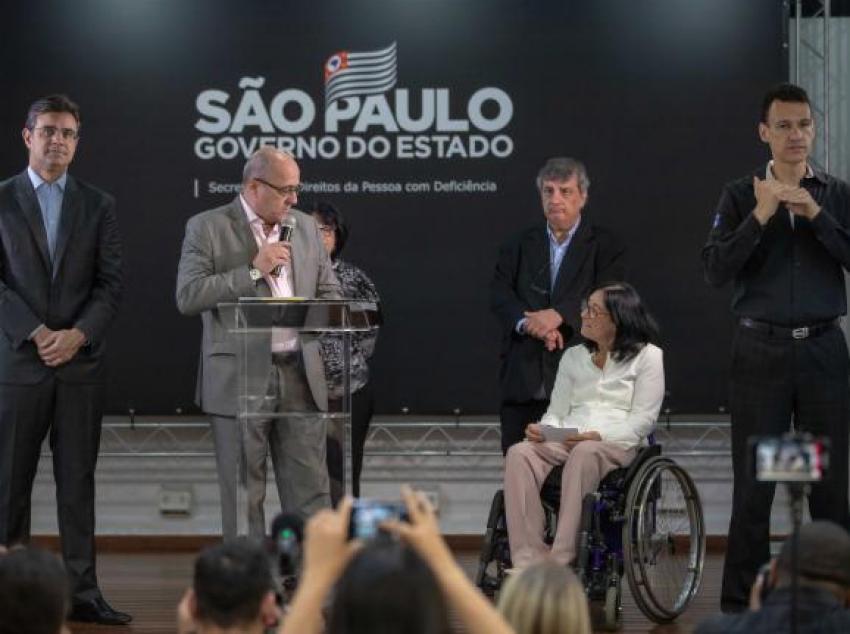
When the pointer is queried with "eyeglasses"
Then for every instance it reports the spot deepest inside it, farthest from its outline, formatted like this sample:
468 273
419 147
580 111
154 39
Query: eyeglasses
286 190
785 127
47 132
592 311
326 229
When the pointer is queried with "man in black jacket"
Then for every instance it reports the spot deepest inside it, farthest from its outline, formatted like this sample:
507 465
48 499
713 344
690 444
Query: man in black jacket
60 286
782 235
542 276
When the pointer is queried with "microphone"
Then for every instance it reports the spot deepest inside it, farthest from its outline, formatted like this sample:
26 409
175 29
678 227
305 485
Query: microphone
287 228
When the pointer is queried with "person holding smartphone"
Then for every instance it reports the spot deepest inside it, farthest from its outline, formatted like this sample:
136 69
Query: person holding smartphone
609 389
405 584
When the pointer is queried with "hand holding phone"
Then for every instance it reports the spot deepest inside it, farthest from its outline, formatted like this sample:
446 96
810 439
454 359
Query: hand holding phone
367 515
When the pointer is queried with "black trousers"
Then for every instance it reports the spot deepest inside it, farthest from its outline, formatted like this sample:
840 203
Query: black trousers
772 379
362 409
515 417
72 414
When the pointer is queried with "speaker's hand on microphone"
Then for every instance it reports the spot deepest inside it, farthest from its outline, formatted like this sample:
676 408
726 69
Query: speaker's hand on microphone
272 255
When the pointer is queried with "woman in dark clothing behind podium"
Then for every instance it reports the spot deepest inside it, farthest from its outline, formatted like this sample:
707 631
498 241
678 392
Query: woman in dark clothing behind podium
355 285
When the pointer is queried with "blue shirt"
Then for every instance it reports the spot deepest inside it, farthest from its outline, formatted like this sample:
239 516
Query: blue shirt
557 251
50 197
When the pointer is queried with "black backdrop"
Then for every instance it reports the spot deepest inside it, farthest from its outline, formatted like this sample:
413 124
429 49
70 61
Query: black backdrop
659 98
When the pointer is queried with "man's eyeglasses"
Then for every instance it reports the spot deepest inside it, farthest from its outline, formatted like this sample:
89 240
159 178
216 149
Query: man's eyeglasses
47 132
285 190
592 311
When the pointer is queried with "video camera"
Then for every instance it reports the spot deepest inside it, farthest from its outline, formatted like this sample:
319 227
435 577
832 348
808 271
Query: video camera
285 549
792 458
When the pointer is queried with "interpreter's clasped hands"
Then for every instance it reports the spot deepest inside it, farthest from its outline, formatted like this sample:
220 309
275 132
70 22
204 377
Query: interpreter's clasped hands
770 193
800 202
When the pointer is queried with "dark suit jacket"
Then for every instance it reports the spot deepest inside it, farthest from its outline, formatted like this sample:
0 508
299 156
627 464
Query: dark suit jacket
521 283
82 290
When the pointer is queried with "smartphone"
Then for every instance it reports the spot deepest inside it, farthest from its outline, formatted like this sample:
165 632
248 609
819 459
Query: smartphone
367 515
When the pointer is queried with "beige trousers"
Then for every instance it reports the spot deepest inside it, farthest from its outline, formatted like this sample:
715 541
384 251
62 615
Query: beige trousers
526 467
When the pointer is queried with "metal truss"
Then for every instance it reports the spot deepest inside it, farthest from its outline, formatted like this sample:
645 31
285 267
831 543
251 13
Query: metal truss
463 448
156 439
457 450
811 53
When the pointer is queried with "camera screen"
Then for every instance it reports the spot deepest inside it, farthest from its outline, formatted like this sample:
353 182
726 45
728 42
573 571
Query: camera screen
367 515
790 459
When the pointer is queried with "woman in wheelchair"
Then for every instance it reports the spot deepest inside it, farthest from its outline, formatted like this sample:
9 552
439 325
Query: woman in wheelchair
610 390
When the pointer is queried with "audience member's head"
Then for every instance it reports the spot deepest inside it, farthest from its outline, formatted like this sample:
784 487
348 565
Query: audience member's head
823 559
546 598
233 586
34 592
387 588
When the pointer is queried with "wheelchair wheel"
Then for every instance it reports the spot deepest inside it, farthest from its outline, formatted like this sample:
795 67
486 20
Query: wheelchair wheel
663 539
495 552
613 610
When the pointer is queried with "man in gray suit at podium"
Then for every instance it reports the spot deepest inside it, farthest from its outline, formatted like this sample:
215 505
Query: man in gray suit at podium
235 251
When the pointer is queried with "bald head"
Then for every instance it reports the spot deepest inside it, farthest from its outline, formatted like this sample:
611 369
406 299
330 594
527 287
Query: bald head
270 184
263 161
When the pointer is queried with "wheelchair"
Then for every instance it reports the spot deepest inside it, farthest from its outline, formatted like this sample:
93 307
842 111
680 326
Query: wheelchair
645 521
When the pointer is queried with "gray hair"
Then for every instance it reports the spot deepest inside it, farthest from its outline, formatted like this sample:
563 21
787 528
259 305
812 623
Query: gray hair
562 168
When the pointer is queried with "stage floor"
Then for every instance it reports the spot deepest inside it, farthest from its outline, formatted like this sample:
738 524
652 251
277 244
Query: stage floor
149 587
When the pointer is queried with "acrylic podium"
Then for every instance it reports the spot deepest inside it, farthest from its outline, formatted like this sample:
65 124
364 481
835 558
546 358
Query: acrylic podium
255 323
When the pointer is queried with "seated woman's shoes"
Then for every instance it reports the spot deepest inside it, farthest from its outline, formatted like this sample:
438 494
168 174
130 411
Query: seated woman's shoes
98 611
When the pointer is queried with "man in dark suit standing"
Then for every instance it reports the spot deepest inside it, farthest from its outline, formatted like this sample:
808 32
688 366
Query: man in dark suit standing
60 286
542 276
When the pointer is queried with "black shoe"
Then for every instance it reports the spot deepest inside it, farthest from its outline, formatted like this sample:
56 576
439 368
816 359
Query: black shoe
732 607
98 611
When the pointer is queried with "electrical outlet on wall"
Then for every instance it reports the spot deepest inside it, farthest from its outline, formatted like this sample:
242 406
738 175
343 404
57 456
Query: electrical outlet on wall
175 501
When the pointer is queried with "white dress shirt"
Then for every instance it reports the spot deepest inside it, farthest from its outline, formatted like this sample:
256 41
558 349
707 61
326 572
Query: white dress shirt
620 402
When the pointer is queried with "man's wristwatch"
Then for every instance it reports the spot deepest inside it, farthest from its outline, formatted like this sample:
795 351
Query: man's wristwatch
255 273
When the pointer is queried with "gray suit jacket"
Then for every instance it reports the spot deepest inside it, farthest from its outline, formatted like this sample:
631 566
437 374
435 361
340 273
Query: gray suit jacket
217 250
